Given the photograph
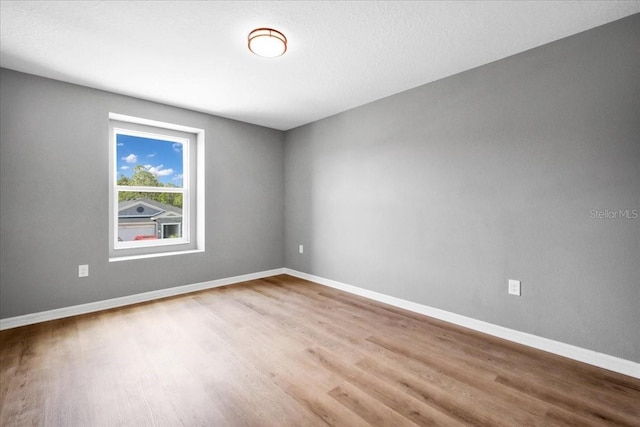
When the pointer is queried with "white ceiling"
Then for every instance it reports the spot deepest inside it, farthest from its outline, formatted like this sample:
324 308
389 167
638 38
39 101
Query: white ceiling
193 54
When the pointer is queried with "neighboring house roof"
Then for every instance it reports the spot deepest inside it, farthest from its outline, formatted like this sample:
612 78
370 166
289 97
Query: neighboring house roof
147 209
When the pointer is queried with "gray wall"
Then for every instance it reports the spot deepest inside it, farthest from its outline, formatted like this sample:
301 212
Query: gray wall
440 194
54 198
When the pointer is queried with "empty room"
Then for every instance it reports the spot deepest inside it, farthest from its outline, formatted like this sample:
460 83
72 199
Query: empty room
346 213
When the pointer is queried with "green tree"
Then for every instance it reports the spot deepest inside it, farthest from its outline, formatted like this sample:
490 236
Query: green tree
142 177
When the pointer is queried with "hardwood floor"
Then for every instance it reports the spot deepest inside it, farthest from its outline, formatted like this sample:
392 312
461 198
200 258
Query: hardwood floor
285 352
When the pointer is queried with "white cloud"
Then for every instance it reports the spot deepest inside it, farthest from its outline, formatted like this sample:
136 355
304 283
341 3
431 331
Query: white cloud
124 168
177 177
120 144
131 158
158 171
177 147
152 155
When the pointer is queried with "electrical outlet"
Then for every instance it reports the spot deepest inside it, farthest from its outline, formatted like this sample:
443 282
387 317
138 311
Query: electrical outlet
83 270
514 287
300 249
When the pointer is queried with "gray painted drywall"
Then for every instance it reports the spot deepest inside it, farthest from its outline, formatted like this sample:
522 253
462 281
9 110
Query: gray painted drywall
54 198
440 194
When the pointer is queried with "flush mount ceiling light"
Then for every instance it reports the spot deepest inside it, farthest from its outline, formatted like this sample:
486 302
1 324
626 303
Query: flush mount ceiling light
267 42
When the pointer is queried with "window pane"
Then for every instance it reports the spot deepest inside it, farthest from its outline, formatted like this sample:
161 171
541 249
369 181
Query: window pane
149 216
148 162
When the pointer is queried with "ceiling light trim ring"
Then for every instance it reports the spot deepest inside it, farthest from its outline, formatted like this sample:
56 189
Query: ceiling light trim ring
266 32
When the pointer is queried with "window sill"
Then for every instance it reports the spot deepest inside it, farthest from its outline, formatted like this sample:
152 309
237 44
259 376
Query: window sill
159 254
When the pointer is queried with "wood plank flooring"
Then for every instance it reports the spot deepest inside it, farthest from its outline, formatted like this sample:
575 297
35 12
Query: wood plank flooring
286 352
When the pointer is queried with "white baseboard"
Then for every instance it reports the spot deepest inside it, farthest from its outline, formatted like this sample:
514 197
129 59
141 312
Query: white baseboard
590 357
43 316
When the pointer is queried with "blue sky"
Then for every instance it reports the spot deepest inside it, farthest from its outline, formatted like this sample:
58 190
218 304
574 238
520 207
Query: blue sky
161 158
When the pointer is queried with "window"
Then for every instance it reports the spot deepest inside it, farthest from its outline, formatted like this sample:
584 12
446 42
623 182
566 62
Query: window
156 188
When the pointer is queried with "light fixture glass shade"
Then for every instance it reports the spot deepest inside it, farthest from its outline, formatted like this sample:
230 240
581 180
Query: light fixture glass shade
267 42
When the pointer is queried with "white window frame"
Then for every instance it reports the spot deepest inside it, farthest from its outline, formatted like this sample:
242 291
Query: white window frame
192 190
184 191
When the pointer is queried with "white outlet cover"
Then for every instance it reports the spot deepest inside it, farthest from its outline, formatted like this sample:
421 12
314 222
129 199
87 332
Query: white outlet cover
514 287
300 249
83 270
